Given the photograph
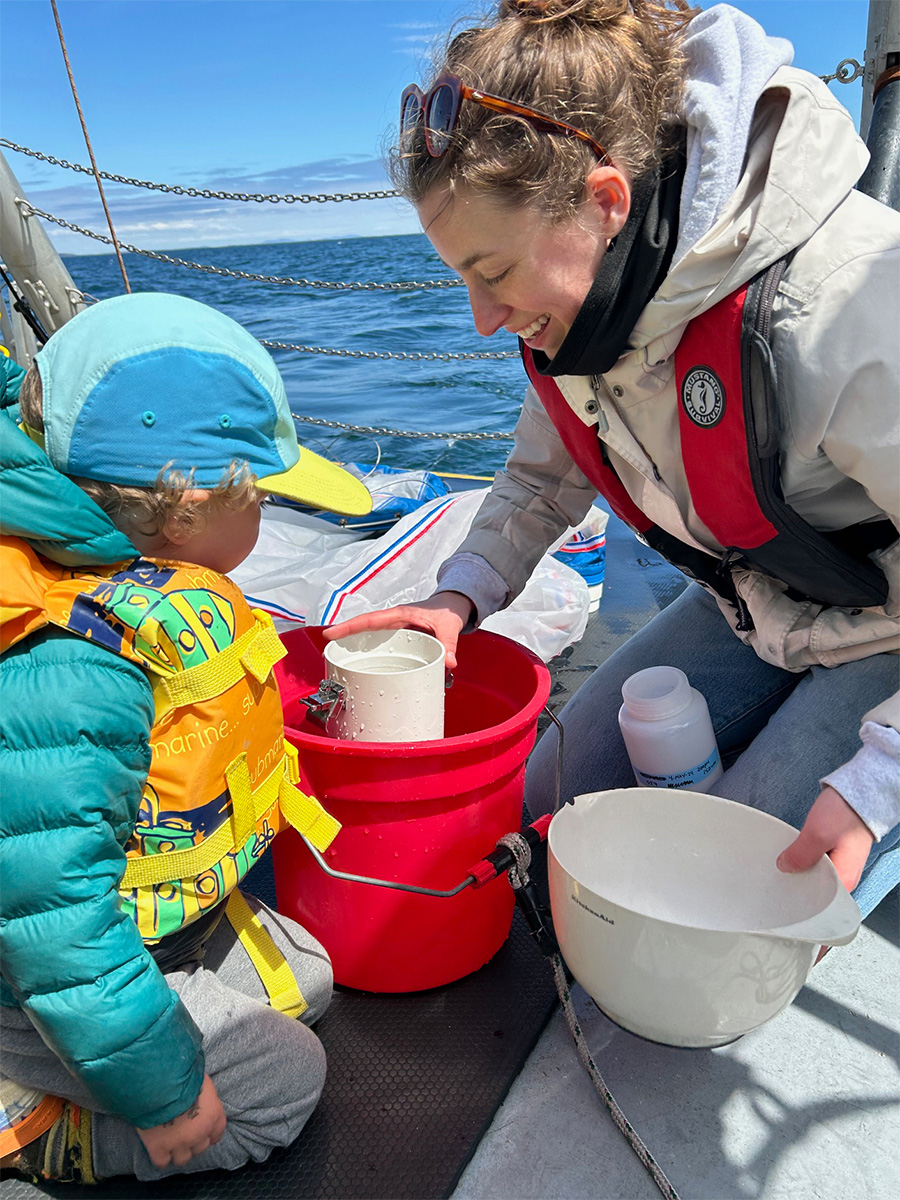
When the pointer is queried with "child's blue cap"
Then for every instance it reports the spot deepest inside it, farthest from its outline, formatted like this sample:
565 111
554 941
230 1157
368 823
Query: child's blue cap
149 380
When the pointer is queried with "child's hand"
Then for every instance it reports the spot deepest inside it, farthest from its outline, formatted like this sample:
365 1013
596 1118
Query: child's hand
184 1137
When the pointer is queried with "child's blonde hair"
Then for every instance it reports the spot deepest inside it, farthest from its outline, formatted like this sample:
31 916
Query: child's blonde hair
147 511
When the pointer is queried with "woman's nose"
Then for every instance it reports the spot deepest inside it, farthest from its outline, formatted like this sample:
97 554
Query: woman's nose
488 314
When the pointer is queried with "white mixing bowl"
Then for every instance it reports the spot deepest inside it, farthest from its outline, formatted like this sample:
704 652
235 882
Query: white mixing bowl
671 913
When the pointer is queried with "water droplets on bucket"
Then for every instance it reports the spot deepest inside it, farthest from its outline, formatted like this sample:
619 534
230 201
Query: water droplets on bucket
393 686
415 812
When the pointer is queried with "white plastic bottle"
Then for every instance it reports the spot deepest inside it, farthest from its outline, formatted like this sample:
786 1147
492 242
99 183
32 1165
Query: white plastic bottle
668 734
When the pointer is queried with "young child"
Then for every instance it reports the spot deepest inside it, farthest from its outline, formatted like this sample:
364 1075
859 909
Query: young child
147 1008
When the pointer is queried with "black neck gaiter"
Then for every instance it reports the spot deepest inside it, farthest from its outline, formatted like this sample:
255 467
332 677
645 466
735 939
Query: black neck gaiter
632 270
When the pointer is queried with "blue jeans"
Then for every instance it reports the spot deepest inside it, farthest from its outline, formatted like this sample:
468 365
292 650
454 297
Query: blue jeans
779 733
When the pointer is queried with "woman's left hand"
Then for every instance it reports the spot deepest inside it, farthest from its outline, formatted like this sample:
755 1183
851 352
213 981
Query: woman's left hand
833 828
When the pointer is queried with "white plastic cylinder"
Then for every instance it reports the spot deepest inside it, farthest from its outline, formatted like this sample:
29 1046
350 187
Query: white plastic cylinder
668 732
393 684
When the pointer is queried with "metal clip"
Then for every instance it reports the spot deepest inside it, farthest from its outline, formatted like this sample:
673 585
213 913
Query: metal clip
41 293
325 702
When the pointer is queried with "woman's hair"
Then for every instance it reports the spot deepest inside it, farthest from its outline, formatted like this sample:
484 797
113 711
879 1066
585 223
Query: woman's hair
145 511
613 68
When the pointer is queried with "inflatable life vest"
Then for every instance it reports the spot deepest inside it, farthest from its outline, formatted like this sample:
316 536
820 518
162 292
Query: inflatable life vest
222 778
728 420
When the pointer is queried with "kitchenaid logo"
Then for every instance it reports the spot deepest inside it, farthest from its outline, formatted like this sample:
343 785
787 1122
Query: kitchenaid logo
592 911
703 397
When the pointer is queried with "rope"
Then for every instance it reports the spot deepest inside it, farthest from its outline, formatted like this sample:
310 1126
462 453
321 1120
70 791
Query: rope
90 149
206 193
521 852
619 1118
407 433
28 210
518 878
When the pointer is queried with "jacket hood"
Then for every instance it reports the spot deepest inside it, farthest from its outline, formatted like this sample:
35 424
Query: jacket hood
803 159
48 510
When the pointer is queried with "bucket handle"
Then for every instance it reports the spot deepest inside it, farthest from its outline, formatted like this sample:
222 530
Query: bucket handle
488 868
385 883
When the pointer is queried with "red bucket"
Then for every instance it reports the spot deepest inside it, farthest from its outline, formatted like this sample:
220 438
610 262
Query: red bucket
412 812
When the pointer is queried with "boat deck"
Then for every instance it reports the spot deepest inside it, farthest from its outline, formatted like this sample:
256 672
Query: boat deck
806 1106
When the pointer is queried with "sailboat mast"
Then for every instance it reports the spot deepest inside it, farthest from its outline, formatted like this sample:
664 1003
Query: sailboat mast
880 118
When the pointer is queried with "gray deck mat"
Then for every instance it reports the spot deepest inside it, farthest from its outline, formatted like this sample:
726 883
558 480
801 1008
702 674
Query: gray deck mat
414 1080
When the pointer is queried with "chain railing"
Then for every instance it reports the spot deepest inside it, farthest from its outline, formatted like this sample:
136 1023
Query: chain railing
206 193
411 285
399 355
429 435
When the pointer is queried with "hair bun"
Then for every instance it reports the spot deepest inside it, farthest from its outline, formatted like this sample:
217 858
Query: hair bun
587 12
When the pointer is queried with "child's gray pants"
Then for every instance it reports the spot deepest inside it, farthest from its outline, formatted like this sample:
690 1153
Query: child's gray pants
268 1069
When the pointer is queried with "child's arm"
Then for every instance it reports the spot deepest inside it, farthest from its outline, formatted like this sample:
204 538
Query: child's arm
75 729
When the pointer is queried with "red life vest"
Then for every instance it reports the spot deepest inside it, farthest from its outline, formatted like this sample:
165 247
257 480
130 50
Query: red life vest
728 420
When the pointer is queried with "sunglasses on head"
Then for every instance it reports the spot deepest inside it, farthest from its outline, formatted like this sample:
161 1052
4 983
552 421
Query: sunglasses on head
439 109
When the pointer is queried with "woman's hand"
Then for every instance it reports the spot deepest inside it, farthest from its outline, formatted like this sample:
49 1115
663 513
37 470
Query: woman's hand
444 615
178 1141
832 828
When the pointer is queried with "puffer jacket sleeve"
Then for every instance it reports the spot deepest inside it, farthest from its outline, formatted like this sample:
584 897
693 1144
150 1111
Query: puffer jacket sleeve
74 741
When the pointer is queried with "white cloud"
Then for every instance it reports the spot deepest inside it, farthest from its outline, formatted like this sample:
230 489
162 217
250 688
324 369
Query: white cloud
154 226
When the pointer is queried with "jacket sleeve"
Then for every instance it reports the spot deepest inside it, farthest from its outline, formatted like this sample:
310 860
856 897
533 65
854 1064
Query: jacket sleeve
11 376
848 353
870 781
534 499
74 741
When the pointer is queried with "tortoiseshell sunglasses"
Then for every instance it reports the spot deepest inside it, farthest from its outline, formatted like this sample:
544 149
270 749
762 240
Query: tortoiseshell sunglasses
439 108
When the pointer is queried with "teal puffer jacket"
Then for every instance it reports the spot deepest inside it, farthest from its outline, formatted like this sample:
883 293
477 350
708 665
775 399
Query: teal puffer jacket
74 754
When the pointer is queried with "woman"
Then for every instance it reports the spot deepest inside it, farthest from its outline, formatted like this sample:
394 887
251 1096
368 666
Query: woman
615 197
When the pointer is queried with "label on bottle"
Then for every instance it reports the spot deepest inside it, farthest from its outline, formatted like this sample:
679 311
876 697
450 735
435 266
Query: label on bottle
680 779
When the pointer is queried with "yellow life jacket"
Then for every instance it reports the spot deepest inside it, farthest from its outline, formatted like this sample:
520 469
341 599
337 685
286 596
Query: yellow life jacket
222 778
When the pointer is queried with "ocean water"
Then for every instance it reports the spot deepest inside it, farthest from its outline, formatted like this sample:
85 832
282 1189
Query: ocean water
476 395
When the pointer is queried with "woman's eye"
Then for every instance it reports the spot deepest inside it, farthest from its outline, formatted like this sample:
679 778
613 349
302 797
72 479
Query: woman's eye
498 278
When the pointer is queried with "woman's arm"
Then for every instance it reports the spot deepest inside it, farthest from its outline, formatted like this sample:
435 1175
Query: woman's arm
534 499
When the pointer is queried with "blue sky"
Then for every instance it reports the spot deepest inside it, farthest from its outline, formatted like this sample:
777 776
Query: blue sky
257 95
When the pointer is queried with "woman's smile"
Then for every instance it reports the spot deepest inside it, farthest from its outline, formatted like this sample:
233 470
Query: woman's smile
533 330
